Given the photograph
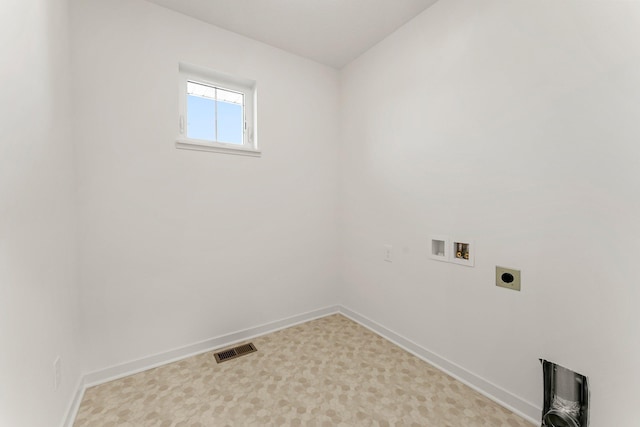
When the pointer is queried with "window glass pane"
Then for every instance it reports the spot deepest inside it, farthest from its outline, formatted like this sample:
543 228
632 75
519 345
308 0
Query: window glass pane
201 113
230 122
214 114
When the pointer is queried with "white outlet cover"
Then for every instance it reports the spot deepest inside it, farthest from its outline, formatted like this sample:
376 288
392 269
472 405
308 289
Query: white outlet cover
388 253
57 373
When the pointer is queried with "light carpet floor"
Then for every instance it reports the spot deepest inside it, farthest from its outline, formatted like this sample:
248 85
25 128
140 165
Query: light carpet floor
326 372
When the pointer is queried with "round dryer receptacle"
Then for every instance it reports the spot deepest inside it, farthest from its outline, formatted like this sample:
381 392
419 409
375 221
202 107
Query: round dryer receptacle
507 277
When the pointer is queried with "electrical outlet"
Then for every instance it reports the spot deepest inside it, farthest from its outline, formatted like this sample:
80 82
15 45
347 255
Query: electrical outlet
508 278
388 253
57 373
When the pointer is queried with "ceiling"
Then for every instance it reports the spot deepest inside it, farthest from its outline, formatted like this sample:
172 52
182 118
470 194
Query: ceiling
332 32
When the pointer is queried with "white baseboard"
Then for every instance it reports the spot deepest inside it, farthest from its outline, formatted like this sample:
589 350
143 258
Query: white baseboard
525 409
504 398
74 405
135 366
149 362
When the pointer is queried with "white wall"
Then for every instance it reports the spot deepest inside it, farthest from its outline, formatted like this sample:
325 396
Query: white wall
38 260
180 246
514 123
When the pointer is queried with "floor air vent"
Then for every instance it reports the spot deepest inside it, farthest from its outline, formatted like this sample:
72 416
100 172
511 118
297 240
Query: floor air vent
232 353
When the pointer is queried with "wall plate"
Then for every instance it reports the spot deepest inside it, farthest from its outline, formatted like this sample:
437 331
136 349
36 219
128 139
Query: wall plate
508 278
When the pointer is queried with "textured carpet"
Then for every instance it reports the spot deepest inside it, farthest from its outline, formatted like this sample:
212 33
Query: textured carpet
327 372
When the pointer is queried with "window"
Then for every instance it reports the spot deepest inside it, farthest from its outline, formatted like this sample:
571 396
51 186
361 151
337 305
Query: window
216 112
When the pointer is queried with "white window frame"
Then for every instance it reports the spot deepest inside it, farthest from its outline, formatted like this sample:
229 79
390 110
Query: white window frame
249 147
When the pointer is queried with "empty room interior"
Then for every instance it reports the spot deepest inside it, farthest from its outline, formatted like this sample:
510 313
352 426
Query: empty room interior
418 212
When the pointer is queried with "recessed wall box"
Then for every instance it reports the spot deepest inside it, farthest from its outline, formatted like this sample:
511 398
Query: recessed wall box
439 248
462 251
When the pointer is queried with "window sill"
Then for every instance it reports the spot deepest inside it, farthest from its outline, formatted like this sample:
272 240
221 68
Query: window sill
189 144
